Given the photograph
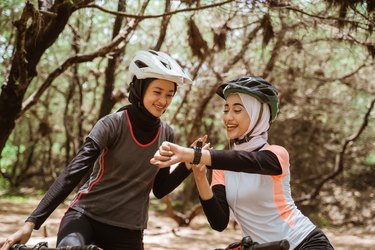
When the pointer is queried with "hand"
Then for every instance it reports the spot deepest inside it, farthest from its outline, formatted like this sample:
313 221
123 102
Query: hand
169 154
21 236
205 146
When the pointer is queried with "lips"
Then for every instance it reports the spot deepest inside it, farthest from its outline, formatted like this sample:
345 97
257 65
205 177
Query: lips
231 127
159 108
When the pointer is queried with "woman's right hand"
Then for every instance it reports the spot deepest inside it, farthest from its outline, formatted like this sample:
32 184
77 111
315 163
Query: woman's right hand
21 236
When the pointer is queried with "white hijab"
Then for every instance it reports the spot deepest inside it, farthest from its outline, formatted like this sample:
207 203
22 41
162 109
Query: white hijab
260 134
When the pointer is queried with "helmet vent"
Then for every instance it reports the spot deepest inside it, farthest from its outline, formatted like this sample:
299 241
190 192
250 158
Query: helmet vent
166 65
141 64
153 52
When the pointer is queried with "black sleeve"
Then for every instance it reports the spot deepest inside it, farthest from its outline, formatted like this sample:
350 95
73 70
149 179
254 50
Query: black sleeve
66 182
166 181
216 209
258 162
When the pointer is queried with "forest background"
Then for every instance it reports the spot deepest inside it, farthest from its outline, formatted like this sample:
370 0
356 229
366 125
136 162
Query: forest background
64 65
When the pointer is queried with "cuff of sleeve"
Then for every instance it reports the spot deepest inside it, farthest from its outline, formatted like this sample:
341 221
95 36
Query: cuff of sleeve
208 203
183 169
33 220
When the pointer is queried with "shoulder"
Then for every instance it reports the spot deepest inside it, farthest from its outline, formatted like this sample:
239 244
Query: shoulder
110 122
278 150
281 154
112 117
166 127
165 124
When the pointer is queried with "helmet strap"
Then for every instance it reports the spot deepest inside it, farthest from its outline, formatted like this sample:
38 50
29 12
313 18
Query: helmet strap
248 136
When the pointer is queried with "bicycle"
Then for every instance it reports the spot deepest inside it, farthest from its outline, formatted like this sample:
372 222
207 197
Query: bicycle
44 246
248 244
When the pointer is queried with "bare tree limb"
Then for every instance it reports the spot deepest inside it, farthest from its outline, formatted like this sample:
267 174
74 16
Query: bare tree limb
155 16
358 24
79 58
339 163
21 25
163 26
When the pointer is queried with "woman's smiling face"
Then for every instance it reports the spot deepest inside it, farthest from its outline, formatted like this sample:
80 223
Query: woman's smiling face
158 96
236 119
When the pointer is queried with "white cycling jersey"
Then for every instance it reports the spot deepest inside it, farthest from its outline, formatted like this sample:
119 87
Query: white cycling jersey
263 205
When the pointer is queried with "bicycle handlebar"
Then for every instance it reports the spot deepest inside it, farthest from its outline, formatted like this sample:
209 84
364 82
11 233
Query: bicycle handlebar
274 245
248 244
44 246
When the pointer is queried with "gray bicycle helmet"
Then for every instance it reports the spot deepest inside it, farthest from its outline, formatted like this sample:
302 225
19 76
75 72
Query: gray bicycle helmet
255 86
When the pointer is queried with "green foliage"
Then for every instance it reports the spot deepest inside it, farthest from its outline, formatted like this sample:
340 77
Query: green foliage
17 199
9 154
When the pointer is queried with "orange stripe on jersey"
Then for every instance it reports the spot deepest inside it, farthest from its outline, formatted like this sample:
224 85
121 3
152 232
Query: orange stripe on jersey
218 178
285 210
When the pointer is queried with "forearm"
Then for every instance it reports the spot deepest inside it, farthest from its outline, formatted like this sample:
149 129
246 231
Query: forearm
203 186
66 182
216 209
259 162
165 182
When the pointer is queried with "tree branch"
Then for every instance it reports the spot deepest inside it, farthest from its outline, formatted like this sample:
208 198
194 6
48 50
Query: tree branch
79 58
155 16
358 24
339 163
20 55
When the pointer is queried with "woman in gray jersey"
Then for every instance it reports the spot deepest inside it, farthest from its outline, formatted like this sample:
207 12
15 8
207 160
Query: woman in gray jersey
111 208
252 180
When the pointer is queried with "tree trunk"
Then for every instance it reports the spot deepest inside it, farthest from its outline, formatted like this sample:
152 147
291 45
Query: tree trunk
30 45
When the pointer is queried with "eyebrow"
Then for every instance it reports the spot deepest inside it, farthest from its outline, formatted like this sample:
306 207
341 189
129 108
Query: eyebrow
158 88
234 104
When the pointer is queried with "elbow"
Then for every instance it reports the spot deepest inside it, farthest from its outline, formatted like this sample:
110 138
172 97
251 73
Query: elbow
158 194
219 228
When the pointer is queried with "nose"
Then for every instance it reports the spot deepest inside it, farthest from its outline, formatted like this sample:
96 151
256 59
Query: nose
227 117
163 100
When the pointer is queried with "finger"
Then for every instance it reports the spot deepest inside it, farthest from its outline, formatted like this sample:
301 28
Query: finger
165 153
204 138
165 145
163 158
195 142
153 161
8 243
161 163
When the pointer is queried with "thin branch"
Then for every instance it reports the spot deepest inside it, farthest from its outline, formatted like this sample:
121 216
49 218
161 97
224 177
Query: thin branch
339 163
79 58
326 17
342 79
155 16
163 26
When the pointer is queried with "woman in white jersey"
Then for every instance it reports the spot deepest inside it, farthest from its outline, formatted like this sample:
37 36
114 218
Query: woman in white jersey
111 209
252 180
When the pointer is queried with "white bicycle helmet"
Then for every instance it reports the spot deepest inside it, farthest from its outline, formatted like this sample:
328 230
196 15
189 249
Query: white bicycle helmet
156 64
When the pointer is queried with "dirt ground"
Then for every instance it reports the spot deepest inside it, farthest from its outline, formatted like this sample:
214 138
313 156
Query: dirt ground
162 233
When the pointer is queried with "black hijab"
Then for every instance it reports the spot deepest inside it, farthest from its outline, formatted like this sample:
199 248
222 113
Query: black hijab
145 125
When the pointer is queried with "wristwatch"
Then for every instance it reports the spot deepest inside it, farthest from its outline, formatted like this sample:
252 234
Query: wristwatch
197 153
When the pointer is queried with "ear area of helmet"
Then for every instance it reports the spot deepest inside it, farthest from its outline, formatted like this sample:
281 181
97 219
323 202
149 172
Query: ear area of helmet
220 90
